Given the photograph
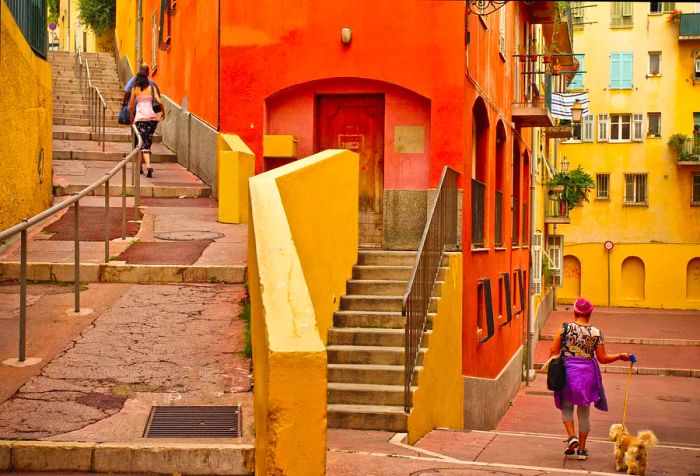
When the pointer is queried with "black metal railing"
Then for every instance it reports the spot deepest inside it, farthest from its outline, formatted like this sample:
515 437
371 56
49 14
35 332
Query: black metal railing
440 231
498 235
97 106
478 203
30 16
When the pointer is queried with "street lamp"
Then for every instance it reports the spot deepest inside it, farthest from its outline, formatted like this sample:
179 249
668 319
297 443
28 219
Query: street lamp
576 111
565 164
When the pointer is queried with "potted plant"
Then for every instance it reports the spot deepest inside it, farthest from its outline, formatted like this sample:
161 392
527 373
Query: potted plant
556 68
674 16
677 145
577 185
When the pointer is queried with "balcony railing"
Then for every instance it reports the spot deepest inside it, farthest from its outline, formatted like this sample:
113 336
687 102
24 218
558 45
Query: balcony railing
478 202
30 16
690 26
690 153
557 209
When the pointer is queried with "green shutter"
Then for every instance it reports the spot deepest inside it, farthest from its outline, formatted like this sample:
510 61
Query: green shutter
577 82
626 70
615 14
615 71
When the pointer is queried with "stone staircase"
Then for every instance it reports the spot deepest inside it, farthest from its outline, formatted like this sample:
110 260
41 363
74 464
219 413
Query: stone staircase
366 344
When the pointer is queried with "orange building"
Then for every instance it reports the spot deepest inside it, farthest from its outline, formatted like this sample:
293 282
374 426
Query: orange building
412 86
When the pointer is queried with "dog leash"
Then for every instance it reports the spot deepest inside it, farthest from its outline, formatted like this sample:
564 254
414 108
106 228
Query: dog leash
633 359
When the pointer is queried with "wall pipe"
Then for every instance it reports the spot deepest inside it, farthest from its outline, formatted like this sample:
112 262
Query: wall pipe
139 31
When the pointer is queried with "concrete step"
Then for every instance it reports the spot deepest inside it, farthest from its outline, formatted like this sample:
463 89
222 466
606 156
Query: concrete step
373 374
110 135
71 122
376 287
114 151
110 117
366 354
368 417
147 190
382 257
115 272
354 302
369 337
382 272
365 394
375 319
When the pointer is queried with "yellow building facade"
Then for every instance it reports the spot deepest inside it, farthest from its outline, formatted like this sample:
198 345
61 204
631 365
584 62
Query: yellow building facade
72 32
643 80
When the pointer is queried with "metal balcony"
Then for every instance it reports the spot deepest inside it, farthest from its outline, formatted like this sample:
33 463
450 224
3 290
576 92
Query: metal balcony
690 27
690 153
557 210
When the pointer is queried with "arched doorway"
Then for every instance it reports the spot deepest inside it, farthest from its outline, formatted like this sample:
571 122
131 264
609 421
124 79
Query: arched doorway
571 290
632 282
692 279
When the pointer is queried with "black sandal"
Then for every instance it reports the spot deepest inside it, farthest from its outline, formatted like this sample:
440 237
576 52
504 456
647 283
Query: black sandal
582 454
571 445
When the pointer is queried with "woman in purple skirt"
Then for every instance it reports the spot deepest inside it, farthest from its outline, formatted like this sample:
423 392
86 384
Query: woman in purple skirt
582 344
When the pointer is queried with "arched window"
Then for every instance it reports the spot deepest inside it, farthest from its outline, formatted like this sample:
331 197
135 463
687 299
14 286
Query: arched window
515 205
480 146
500 182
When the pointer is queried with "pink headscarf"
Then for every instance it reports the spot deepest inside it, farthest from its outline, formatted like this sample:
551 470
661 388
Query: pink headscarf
583 307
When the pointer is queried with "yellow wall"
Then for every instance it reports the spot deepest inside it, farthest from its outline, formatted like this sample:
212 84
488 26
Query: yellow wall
669 221
439 399
236 164
296 238
665 273
125 31
27 108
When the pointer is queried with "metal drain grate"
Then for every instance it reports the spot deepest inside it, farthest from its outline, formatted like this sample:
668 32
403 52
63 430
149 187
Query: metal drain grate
194 422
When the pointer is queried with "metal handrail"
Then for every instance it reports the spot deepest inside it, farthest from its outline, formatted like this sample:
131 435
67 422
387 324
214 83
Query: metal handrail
95 99
440 230
22 227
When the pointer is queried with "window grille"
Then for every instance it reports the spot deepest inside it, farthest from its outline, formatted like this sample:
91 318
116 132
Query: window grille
636 189
654 120
602 186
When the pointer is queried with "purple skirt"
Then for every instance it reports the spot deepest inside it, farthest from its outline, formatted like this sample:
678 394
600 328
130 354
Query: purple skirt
584 384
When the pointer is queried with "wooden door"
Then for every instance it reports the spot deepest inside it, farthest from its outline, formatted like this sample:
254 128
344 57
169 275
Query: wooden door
356 122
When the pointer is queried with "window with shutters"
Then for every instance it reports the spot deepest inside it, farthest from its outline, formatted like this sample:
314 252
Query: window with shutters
661 7
602 186
577 82
695 199
555 246
603 128
621 70
637 127
696 65
636 190
620 127
536 252
621 14
578 15
502 32
154 42
587 128
654 63
654 124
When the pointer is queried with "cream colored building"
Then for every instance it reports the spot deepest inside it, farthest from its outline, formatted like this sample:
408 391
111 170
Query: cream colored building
71 31
641 63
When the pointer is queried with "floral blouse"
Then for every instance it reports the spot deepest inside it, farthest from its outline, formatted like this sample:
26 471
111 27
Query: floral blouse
580 340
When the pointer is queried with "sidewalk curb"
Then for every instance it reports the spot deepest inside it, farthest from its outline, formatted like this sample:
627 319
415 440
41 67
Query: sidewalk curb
127 273
609 369
639 340
146 457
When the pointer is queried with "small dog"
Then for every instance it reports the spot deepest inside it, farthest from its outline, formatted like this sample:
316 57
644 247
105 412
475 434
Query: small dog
631 451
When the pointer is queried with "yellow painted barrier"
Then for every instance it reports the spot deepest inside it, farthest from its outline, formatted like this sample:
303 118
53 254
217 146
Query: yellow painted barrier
655 275
439 399
26 135
302 246
236 164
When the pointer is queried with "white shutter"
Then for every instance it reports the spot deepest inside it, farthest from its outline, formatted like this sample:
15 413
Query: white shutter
536 251
587 128
557 279
603 128
637 127
502 31
555 247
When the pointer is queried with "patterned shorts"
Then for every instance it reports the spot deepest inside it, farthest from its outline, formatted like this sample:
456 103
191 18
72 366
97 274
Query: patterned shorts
146 130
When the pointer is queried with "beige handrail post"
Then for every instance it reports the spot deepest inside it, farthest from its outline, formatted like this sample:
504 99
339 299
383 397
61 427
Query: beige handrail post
76 254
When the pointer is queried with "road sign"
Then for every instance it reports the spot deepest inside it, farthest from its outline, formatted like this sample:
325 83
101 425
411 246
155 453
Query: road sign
608 245
52 26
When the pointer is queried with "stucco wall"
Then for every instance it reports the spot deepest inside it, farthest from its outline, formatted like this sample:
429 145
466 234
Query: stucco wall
439 399
125 37
26 136
302 247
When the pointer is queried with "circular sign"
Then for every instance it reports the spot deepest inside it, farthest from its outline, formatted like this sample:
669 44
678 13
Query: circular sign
608 245
52 26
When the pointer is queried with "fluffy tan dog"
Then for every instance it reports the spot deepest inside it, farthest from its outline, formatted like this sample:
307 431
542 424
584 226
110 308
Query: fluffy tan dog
631 451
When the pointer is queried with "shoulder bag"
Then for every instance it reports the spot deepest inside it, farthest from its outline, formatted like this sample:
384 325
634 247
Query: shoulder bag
556 371
157 108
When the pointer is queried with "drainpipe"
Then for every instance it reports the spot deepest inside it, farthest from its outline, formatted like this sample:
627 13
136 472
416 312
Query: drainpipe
139 30
531 308
556 169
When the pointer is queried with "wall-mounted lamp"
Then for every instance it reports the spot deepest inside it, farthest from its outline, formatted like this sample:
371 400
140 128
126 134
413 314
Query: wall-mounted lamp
565 164
576 111
346 35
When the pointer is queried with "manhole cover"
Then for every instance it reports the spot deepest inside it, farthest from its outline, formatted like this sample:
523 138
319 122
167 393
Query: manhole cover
672 398
194 422
189 235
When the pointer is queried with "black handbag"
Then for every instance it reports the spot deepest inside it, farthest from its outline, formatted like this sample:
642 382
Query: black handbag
156 105
556 371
